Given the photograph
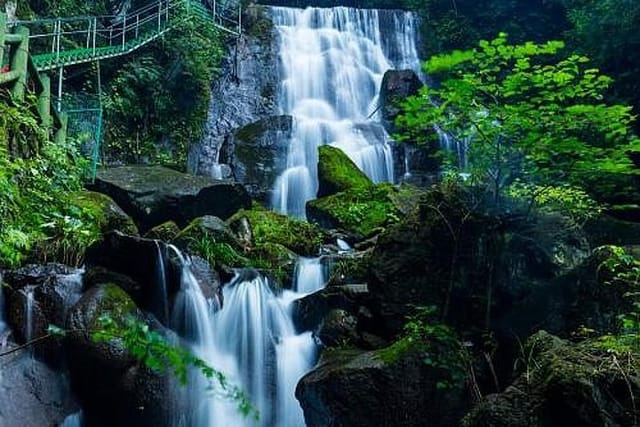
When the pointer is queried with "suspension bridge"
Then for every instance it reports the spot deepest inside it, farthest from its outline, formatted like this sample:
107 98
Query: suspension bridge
38 47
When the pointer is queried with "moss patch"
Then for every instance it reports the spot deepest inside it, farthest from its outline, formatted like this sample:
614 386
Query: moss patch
167 231
115 302
336 172
271 227
361 211
108 214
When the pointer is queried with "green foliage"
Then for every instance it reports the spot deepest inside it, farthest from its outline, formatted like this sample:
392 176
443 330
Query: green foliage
574 203
623 269
157 101
528 115
38 218
216 253
436 342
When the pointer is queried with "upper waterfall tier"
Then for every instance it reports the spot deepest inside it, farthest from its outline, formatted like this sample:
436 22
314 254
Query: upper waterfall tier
332 64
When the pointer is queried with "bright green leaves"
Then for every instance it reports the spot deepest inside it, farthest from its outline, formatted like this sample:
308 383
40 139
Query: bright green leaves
155 352
528 113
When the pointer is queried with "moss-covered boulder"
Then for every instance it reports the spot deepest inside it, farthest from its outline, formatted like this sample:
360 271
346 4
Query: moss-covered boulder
560 383
108 214
275 261
270 227
207 227
360 388
361 211
129 393
167 231
337 172
153 194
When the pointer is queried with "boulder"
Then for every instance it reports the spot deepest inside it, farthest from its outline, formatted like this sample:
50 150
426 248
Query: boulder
337 172
39 296
270 227
257 153
33 394
560 383
207 227
143 267
475 267
396 86
167 231
153 194
360 211
129 393
358 388
110 216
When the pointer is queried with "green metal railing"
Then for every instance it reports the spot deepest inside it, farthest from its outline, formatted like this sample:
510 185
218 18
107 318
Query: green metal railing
61 42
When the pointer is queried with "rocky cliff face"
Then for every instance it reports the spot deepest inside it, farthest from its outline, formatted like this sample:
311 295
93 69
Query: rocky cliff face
244 93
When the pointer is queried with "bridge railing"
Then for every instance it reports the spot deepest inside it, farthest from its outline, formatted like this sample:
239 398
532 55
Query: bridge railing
70 40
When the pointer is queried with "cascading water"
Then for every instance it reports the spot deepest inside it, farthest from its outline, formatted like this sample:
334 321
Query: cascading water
333 61
252 340
28 309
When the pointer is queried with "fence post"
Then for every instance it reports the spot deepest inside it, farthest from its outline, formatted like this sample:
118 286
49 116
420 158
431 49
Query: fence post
95 25
44 101
124 29
3 29
61 134
19 63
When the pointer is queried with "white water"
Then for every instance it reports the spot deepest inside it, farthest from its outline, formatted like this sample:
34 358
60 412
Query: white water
252 340
73 420
28 309
333 61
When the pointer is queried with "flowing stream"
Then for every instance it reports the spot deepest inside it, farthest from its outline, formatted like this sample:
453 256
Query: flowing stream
252 340
333 61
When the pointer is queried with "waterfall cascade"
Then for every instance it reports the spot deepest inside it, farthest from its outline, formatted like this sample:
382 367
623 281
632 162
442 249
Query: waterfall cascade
333 61
252 340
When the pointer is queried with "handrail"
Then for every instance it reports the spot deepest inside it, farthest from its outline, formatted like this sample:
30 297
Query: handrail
79 39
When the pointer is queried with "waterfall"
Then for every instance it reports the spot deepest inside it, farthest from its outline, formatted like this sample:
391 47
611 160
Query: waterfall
28 309
332 62
252 340
73 420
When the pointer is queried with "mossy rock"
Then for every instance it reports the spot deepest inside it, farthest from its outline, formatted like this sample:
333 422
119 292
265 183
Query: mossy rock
271 227
167 231
276 261
563 383
361 211
108 214
210 227
337 172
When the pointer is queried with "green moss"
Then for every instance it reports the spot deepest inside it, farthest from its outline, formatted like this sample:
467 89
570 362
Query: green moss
362 211
397 350
115 303
271 227
109 216
167 231
274 260
336 172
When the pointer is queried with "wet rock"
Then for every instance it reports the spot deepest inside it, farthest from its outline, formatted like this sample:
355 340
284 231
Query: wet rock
137 265
33 394
128 392
244 93
257 154
153 194
38 296
337 172
357 388
338 328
